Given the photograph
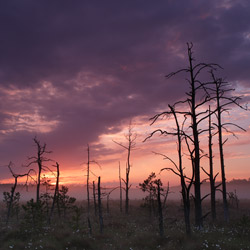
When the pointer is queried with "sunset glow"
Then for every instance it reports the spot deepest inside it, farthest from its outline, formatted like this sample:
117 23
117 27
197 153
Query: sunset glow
72 77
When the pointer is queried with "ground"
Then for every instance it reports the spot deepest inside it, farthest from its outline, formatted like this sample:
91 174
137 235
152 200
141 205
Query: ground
135 231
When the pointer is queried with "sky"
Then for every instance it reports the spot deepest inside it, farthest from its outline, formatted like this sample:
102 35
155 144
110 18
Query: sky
74 73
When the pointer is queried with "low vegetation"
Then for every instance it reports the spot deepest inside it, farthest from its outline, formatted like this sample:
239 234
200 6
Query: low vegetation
137 230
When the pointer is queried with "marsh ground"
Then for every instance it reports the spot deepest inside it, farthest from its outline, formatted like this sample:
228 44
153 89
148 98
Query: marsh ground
135 231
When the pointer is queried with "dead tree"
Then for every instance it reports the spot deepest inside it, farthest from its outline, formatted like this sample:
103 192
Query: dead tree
210 174
94 198
224 102
120 182
178 169
88 194
39 160
56 194
131 142
88 200
100 205
197 98
13 189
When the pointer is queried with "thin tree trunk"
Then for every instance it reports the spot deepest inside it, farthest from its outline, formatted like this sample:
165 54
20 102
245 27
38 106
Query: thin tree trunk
127 196
185 189
88 199
197 182
120 180
38 180
211 174
100 205
94 197
56 193
224 190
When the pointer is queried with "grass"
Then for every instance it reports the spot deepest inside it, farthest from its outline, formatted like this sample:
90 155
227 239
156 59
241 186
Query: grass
135 231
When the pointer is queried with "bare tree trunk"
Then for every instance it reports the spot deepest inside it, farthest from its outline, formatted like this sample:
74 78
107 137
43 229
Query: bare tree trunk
120 180
185 189
100 205
223 177
131 138
127 196
88 163
94 197
197 182
211 174
56 193
88 199
38 181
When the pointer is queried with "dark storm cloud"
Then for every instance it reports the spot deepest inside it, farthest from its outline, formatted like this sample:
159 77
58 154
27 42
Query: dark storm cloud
84 66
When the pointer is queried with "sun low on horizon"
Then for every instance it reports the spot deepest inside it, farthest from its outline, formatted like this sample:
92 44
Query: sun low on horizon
79 74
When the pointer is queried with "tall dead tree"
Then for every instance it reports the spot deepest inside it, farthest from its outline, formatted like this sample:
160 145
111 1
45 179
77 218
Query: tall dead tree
224 102
88 193
197 98
178 169
131 142
39 160
210 174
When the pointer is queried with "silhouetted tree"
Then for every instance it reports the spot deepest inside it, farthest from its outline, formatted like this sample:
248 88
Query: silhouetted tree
56 193
65 201
197 98
100 205
178 169
88 200
39 160
120 183
94 198
210 174
13 197
131 142
88 194
224 100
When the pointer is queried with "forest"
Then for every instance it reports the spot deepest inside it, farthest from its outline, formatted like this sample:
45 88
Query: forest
55 220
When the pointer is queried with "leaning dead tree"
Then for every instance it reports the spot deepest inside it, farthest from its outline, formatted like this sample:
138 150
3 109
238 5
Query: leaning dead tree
39 159
224 101
13 189
131 142
178 168
196 112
